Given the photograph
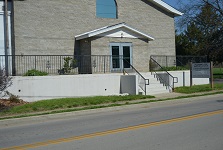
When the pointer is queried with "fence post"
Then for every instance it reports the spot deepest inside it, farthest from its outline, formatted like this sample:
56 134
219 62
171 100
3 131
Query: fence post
6 65
13 65
211 75
166 62
191 79
104 64
60 62
183 78
35 62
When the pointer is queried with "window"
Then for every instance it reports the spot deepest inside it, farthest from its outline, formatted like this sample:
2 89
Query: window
106 9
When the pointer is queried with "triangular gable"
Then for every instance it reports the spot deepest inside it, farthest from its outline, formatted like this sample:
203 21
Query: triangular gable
118 30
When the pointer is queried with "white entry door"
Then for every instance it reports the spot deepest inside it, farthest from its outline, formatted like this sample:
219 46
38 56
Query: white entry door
121 54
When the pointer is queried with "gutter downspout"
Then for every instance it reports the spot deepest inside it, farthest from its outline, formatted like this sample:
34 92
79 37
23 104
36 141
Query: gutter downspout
13 38
6 37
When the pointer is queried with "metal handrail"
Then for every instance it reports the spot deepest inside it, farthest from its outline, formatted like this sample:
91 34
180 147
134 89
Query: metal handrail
163 80
146 81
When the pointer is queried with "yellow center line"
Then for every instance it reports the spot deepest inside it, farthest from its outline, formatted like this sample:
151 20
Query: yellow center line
62 140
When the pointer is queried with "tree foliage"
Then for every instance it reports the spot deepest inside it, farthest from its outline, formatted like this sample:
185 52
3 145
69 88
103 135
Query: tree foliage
5 80
203 34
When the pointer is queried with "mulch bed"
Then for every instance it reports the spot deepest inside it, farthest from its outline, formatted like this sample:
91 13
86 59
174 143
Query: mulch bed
6 104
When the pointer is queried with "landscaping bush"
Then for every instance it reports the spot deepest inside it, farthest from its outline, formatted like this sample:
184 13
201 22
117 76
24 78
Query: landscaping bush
35 72
173 68
69 64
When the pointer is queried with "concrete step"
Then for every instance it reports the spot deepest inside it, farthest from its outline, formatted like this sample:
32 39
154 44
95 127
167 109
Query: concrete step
154 87
155 91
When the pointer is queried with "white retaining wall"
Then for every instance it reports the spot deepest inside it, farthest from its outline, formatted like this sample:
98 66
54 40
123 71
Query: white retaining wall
48 87
186 80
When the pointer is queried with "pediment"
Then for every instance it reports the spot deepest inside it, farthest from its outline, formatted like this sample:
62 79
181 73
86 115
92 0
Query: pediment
121 30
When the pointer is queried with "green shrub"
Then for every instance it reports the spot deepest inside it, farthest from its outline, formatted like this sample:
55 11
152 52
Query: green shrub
173 68
35 72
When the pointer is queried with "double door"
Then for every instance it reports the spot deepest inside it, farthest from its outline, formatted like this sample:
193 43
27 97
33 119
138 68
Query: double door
121 54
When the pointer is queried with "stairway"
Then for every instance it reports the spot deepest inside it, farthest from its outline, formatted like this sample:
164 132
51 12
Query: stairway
154 87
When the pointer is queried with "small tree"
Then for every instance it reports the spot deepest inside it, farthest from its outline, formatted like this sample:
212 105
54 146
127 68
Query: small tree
69 63
5 80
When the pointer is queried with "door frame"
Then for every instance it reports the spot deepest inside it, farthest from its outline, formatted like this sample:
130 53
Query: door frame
120 45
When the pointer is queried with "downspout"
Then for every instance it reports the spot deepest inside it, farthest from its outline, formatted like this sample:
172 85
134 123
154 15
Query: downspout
13 38
6 37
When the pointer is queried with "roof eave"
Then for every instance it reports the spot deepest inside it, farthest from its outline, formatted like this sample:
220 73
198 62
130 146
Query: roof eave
166 7
110 28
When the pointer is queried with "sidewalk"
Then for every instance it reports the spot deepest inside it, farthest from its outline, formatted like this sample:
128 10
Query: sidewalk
169 95
175 95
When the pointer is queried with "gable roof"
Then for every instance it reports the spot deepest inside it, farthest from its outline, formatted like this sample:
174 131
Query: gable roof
105 29
166 7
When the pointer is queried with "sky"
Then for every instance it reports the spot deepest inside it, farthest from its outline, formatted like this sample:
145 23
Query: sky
179 3
174 3
171 2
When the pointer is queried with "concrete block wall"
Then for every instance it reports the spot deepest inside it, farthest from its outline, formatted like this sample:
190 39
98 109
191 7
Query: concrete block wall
49 27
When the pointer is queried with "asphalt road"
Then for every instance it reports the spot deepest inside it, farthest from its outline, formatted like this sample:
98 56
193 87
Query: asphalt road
194 134
163 125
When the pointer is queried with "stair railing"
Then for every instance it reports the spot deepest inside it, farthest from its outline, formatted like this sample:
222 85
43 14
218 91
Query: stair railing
164 77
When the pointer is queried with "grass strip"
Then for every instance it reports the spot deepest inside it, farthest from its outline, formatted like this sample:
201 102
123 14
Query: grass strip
75 104
198 88
111 105
67 103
